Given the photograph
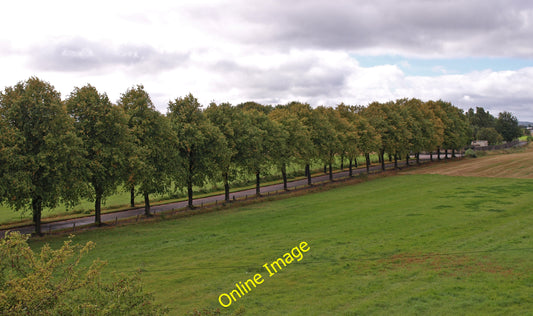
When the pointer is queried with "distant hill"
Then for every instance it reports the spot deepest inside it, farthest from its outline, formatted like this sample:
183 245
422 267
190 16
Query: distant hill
525 123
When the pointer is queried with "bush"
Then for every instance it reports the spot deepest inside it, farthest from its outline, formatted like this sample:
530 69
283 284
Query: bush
470 153
53 282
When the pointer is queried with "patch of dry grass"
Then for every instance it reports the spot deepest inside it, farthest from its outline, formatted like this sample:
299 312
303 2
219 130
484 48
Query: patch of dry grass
514 165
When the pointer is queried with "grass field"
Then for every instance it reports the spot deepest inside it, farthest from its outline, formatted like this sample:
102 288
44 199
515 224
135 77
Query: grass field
409 244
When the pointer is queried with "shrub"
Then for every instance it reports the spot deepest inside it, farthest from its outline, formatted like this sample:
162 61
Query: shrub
53 282
470 153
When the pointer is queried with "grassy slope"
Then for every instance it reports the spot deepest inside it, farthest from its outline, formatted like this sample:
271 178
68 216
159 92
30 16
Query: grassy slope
371 250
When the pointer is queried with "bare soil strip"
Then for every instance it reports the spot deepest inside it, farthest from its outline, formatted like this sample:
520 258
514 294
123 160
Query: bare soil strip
516 165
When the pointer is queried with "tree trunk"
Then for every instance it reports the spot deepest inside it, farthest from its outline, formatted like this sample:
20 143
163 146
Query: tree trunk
350 163
407 160
325 168
98 209
330 172
417 158
189 181
257 184
308 172
284 175
445 153
147 204
342 162
453 153
390 157
438 153
431 156
226 187
37 208
382 155
189 193
367 158
132 195
395 161
355 163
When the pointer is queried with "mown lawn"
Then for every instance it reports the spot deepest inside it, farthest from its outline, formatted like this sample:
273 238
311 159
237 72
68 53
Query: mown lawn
410 244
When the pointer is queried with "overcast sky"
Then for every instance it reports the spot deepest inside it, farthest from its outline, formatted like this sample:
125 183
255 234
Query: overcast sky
469 52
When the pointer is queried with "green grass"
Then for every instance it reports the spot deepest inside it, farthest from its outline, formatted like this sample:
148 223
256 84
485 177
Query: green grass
411 244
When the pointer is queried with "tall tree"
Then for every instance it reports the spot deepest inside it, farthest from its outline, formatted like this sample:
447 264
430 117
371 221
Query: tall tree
489 134
507 126
150 162
480 119
457 132
375 115
233 124
40 154
304 113
327 135
103 128
263 141
200 144
296 144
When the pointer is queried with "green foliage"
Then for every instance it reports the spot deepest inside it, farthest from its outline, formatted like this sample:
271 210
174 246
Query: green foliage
480 119
201 147
40 153
489 134
53 282
106 141
151 163
470 153
507 126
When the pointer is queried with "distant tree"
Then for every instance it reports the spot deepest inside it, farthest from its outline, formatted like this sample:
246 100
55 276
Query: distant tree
234 125
489 134
457 131
480 119
426 129
150 162
103 128
40 154
375 115
350 146
368 140
250 105
327 136
54 282
507 126
304 113
296 144
201 145
264 140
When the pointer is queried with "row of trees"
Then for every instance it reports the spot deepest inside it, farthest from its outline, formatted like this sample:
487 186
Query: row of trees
55 151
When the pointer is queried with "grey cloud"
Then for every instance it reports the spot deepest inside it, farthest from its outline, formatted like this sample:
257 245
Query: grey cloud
308 77
83 55
456 27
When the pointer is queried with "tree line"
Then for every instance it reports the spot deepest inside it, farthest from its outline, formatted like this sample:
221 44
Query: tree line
55 151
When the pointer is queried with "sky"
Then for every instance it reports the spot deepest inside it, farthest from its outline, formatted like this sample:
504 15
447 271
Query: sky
323 52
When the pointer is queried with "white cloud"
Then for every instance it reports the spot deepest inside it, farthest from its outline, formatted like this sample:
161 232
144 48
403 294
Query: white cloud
270 51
